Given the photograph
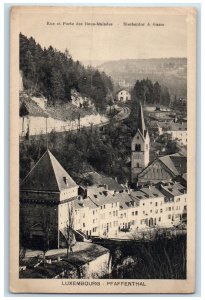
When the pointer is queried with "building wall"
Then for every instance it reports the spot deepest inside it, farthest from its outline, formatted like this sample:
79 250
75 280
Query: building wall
87 221
32 214
123 96
108 219
37 125
140 154
179 135
69 193
65 212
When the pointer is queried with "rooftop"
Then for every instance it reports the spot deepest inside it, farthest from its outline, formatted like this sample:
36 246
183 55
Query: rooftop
172 126
101 180
152 192
47 175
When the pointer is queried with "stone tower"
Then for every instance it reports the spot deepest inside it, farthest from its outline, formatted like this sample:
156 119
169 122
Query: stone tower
139 148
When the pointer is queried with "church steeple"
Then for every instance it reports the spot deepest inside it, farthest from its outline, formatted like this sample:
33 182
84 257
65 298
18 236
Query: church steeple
141 122
140 147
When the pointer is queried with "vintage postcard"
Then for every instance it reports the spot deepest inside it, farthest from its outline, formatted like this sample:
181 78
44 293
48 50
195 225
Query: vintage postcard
102 161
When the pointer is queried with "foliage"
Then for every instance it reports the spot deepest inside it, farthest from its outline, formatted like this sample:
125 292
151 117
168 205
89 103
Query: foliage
68 232
87 150
53 74
146 92
163 258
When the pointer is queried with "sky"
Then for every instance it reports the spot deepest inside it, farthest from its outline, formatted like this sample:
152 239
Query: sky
96 44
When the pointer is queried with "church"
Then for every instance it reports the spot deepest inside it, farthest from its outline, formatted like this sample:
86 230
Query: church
161 169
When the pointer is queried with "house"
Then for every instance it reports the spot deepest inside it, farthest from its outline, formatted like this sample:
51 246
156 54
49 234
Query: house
178 131
123 96
175 205
108 212
163 168
86 214
46 200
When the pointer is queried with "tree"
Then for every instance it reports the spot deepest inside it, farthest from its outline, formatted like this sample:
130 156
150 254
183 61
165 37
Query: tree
68 231
57 85
156 92
46 228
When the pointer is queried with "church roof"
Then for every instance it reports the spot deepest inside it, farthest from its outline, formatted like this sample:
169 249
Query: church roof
141 122
174 164
47 175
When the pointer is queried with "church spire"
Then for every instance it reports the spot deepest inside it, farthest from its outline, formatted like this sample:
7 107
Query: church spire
141 122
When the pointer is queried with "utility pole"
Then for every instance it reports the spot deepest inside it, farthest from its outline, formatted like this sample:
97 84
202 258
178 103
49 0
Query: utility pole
47 132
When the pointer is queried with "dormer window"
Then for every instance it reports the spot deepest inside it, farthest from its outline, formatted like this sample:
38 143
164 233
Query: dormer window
65 179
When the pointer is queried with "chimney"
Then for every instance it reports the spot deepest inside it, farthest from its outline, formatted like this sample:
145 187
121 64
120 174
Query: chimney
106 187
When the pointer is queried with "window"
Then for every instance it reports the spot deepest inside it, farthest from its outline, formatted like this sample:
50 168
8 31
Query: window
83 224
169 217
133 213
138 165
161 210
136 213
156 211
137 147
151 211
159 219
156 203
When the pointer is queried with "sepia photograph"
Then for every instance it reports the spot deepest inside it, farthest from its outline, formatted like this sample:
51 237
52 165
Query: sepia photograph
103 149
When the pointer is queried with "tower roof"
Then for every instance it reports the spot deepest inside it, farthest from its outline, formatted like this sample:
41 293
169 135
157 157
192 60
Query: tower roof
47 175
141 122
